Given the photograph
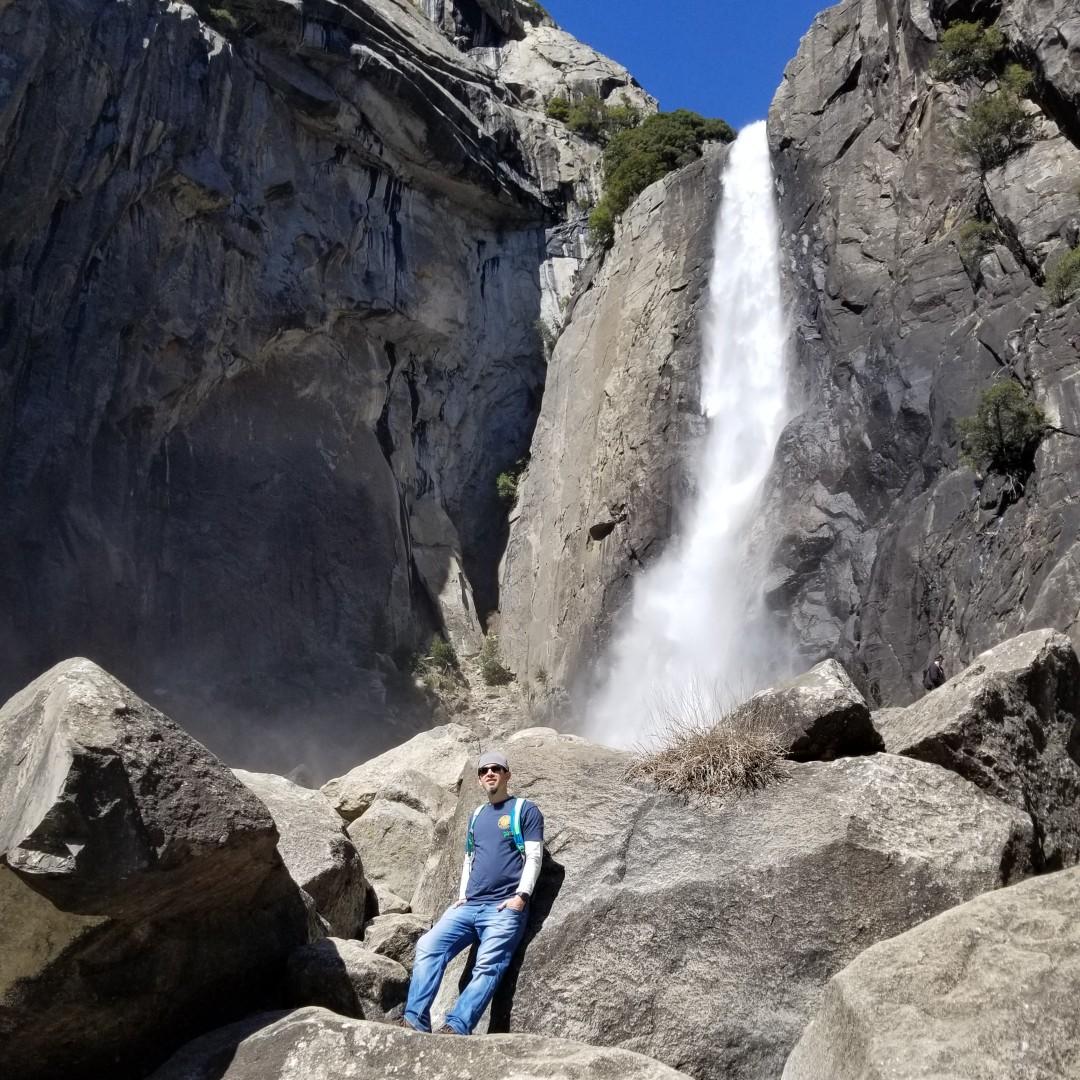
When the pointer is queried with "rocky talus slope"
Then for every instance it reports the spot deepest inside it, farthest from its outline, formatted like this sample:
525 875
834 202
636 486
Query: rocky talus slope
272 275
886 547
149 897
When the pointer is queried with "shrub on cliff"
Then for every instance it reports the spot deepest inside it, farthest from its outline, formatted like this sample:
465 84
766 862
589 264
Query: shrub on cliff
1006 428
492 670
706 746
506 483
995 127
438 668
591 117
638 157
976 238
967 49
1063 277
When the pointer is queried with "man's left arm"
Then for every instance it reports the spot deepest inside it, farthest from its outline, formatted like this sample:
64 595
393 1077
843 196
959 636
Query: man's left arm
532 832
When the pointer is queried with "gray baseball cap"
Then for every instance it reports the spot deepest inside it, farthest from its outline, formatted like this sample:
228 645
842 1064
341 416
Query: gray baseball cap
492 757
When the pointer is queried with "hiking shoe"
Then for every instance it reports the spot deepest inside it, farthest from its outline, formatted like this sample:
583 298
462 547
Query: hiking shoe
446 1029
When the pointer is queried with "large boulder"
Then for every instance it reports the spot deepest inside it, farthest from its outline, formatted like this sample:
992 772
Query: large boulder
988 989
347 977
703 935
395 841
819 714
396 936
313 1044
437 755
1010 723
317 851
142 895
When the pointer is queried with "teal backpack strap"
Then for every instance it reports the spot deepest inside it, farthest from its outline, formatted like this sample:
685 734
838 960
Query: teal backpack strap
515 825
469 843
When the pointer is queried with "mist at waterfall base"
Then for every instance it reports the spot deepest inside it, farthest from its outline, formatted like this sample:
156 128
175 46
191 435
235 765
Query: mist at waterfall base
695 624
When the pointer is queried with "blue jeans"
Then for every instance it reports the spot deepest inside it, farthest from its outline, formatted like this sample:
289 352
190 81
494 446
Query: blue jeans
498 933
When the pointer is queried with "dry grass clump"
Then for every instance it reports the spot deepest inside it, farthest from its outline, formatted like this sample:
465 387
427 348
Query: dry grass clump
705 745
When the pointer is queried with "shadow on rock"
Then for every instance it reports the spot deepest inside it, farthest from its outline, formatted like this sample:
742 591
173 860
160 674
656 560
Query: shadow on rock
547 890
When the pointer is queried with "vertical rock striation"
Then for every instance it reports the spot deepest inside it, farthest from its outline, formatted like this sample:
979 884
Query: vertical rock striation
607 475
886 548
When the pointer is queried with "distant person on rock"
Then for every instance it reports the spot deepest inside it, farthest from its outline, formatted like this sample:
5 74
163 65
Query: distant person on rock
934 675
504 848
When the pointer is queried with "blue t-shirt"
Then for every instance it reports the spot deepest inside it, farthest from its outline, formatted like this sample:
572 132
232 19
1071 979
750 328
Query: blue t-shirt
496 867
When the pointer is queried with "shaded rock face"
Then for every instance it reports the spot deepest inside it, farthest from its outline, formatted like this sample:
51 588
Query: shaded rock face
1011 724
316 850
348 978
759 903
607 474
314 1044
141 892
986 989
884 548
820 715
269 337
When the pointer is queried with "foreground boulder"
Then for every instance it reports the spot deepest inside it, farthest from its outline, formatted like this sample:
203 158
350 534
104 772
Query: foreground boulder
396 801
988 989
395 840
437 755
704 935
141 892
820 715
348 978
318 853
313 1044
1010 723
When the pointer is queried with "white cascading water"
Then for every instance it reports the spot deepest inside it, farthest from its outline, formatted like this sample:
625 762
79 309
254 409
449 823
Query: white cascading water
692 621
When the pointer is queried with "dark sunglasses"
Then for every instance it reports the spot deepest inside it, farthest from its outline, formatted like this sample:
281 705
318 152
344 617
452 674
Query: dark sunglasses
490 768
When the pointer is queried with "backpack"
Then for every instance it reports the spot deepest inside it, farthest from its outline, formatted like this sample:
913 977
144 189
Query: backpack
515 827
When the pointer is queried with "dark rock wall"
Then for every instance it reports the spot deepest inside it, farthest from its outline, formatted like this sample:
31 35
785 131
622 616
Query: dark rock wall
268 335
888 548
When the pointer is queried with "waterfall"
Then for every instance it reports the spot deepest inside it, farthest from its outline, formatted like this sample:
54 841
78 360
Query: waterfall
693 619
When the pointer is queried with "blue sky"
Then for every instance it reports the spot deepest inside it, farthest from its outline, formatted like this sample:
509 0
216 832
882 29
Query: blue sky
718 57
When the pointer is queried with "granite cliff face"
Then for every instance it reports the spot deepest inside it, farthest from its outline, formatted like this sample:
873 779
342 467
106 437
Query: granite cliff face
889 548
607 476
884 548
271 276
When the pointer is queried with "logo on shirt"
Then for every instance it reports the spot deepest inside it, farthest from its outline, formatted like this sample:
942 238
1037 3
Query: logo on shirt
504 821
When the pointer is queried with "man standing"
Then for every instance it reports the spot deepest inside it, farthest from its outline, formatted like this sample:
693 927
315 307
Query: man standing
934 675
503 852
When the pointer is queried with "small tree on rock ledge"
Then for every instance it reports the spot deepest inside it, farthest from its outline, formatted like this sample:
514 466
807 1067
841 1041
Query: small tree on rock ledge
1004 432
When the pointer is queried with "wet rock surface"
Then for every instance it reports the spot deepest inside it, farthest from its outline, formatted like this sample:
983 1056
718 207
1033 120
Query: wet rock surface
754 901
986 989
607 472
141 890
